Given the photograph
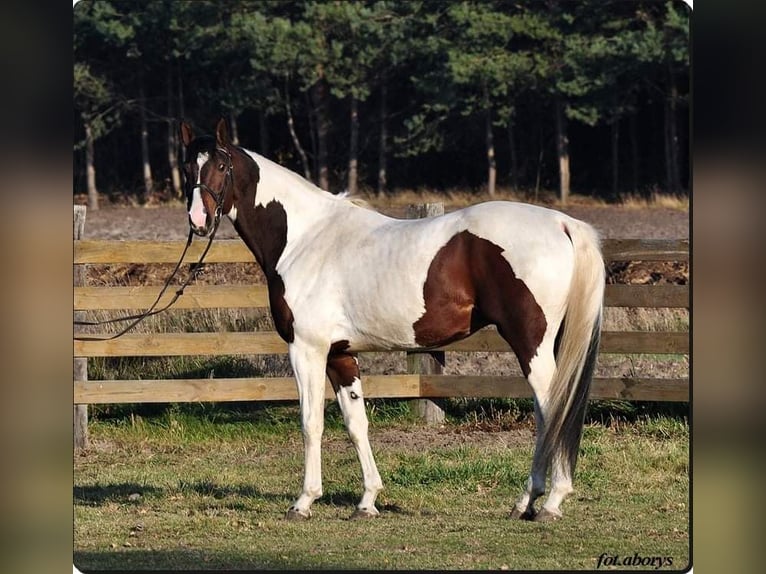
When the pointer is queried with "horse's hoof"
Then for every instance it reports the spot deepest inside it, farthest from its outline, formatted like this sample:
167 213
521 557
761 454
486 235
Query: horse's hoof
295 514
364 513
546 515
528 514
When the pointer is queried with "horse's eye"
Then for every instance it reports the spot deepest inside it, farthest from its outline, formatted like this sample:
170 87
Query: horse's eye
221 167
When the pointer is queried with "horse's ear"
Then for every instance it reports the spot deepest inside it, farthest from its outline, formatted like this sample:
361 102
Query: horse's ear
222 134
187 133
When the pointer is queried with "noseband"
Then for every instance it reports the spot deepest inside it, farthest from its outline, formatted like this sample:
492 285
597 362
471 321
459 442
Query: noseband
220 196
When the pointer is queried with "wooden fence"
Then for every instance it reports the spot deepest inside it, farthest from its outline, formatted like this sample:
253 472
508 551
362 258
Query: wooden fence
417 383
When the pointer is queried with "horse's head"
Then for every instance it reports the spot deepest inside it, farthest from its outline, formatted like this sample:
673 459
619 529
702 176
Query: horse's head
209 177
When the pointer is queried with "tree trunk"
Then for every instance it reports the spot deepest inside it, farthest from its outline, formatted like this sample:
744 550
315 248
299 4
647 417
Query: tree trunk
90 167
491 163
353 174
311 116
234 129
181 107
674 179
490 143
294 136
175 173
147 168
263 134
383 148
615 156
540 155
319 93
514 175
634 157
562 151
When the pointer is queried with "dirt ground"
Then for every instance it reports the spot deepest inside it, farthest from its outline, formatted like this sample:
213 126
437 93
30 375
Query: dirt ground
170 222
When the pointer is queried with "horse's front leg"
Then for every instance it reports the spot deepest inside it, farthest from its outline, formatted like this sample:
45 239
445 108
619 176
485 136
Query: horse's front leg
308 364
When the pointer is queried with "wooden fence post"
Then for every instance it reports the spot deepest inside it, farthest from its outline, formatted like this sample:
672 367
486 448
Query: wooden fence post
80 363
431 362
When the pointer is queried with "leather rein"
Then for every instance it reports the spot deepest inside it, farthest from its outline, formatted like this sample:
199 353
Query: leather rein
136 319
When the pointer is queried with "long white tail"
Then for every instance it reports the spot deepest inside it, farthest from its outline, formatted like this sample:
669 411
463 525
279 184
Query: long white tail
578 347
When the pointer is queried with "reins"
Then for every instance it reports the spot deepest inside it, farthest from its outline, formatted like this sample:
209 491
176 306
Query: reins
136 319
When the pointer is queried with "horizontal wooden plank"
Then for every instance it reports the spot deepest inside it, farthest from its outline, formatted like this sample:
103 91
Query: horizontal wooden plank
622 342
645 249
382 386
194 297
638 389
268 342
175 344
655 296
233 251
104 251
234 296
220 390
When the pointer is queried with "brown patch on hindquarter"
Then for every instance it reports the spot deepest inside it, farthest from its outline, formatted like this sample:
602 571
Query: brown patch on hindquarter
470 285
342 367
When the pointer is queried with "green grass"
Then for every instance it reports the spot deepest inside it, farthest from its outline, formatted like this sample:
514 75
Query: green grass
214 486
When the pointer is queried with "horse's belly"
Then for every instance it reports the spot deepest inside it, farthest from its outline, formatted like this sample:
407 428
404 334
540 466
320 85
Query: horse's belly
383 322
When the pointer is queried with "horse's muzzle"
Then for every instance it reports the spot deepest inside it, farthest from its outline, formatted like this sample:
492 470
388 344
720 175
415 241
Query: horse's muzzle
200 230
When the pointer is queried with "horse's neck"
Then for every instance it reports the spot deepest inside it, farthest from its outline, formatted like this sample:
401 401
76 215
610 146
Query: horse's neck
303 200
284 209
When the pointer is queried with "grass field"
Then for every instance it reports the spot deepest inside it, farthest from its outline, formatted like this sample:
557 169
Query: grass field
208 490
206 486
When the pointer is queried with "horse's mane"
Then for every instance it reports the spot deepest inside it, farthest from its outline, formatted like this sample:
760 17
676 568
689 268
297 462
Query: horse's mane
309 185
358 201
207 143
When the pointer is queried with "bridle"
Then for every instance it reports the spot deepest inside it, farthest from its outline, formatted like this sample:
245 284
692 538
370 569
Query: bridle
219 198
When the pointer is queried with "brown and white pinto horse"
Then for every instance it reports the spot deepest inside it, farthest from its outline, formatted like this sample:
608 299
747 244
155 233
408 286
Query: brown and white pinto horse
343 279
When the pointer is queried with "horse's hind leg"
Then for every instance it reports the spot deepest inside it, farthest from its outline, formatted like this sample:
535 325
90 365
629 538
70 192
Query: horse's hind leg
540 375
543 366
561 486
524 508
343 372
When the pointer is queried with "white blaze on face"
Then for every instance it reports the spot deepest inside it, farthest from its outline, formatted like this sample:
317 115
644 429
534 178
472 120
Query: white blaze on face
197 212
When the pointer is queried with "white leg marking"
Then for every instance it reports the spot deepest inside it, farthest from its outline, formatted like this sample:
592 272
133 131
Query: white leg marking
561 485
351 404
309 367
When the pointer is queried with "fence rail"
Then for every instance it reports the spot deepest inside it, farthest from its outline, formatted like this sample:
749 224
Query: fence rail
90 298
234 251
235 296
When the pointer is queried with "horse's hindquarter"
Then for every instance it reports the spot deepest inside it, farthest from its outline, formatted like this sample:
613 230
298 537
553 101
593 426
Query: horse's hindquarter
367 283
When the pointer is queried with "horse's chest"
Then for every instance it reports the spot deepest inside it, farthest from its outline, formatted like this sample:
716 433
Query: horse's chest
281 312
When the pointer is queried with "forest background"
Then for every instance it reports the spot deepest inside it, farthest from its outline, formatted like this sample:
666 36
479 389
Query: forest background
587 97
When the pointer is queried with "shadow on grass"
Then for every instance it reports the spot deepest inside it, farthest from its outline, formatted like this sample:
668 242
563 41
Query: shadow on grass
99 494
136 559
220 491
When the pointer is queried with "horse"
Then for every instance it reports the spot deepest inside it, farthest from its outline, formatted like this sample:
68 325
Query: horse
343 278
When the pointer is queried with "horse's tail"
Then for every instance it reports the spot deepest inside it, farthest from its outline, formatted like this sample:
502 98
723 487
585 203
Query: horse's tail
577 347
